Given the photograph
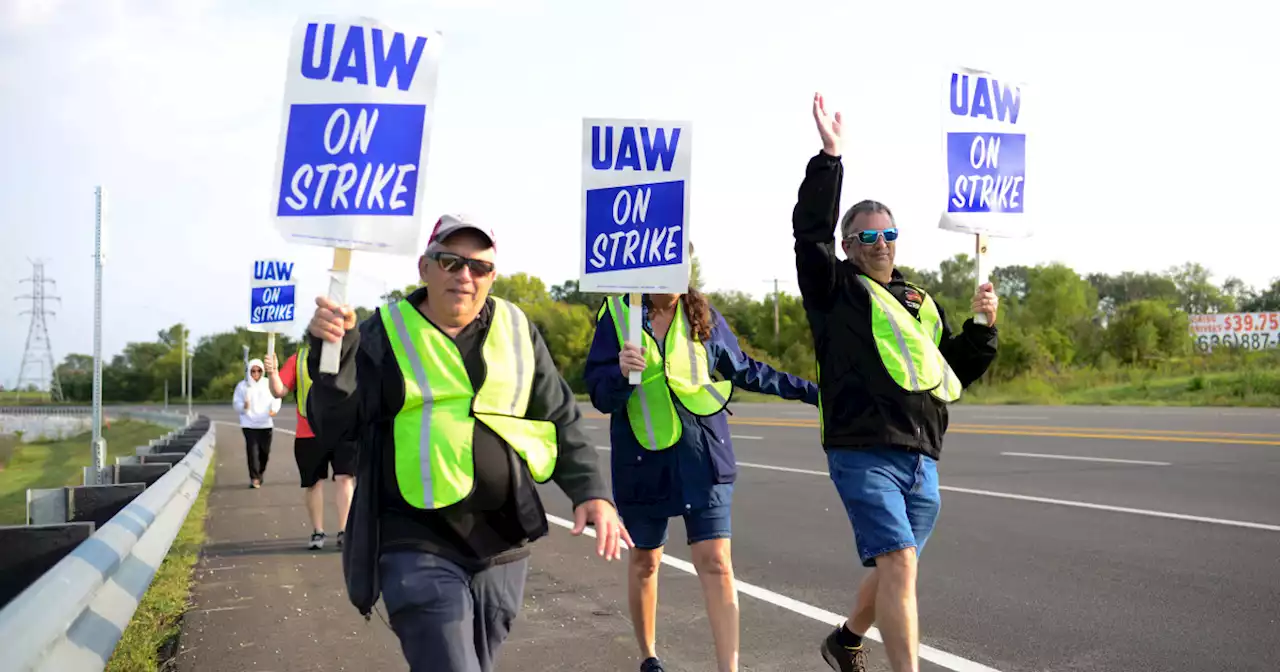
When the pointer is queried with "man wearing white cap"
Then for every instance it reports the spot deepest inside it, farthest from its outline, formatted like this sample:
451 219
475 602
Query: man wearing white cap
458 411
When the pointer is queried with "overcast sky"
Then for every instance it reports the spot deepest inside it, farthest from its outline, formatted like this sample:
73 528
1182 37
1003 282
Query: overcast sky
1155 144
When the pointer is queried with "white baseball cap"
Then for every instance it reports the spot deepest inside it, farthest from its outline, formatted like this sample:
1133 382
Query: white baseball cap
450 224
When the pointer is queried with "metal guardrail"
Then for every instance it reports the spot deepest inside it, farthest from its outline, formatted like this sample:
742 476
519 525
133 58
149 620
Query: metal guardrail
72 617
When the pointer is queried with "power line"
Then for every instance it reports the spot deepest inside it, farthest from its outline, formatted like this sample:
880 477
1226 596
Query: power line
38 353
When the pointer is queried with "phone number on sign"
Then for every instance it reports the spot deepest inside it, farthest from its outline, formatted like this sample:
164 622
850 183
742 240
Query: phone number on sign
1255 341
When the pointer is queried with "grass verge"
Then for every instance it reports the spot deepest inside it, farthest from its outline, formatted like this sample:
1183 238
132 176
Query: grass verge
150 641
49 465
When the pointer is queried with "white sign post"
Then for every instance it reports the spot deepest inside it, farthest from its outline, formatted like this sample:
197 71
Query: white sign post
354 137
635 210
984 149
272 299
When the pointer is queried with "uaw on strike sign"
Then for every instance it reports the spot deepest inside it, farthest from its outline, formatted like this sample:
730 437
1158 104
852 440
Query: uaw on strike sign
358 104
635 205
1247 331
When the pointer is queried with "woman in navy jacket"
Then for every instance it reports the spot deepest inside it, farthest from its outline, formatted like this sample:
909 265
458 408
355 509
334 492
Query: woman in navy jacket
693 478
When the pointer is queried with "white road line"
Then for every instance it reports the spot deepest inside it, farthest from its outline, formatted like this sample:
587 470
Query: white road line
1046 500
979 416
1088 459
1117 509
592 426
746 436
935 656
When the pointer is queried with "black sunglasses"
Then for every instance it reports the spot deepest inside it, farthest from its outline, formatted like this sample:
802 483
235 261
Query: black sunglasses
453 263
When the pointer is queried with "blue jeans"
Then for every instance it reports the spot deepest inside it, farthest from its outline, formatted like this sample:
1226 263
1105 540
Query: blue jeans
447 619
891 497
650 532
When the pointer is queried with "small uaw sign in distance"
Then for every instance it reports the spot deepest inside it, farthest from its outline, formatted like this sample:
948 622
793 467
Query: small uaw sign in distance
354 137
984 149
272 299
635 210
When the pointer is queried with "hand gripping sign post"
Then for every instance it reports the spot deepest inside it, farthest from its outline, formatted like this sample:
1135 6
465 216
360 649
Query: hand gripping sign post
358 104
984 147
635 210
271 299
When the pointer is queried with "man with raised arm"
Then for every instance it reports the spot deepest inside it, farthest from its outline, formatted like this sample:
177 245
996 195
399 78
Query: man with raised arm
888 366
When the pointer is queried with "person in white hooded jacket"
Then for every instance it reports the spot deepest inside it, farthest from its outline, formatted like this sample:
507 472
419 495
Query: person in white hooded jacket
257 406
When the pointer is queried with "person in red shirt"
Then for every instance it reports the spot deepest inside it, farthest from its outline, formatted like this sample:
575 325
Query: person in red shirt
314 457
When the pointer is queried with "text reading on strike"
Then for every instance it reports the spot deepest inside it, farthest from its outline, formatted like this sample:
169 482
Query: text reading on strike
987 172
352 61
638 226
351 159
271 304
984 97
272 270
626 151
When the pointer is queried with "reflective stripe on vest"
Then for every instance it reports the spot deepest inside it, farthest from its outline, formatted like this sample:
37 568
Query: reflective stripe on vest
680 368
435 427
909 347
304 379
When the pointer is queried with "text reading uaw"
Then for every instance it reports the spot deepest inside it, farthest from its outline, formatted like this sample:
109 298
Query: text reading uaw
354 158
987 171
634 226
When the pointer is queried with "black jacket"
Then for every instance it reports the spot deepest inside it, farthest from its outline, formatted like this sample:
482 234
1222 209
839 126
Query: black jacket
861 404
504 513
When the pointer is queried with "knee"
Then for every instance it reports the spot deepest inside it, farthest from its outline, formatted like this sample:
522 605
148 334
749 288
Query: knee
897 566
714 560
342 479
644 564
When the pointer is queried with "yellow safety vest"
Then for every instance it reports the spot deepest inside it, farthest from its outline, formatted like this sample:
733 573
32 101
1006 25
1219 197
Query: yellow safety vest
909 347
304 379
435 426
680 370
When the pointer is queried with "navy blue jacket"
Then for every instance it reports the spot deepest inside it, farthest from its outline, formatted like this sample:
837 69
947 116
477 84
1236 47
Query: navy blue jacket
700 469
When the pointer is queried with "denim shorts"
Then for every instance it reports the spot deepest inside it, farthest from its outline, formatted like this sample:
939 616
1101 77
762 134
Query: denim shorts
891 497
649 532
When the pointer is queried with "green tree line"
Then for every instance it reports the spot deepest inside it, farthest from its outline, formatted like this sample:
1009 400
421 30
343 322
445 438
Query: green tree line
1053 321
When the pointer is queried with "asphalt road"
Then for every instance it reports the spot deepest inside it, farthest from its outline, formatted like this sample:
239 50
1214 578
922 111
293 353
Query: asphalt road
1069 539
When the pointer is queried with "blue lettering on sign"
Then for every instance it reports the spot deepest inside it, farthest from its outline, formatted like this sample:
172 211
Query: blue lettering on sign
272 270
984 97
987 171
657 151
271 304
351 159
636 226
353 63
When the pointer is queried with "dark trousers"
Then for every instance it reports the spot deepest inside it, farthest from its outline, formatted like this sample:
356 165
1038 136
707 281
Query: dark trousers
257 450
448 619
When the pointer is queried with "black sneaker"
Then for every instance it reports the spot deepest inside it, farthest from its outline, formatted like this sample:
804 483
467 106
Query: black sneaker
317 540
339 540
841 658
652 665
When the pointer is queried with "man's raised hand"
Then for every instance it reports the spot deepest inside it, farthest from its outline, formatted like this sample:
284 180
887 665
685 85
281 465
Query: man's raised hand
829 127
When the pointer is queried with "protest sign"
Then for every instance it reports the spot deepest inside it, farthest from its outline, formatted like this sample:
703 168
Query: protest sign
354 137
984 152
635 209
272 304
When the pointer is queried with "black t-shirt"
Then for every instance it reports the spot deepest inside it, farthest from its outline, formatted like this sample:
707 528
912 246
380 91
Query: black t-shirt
481 530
